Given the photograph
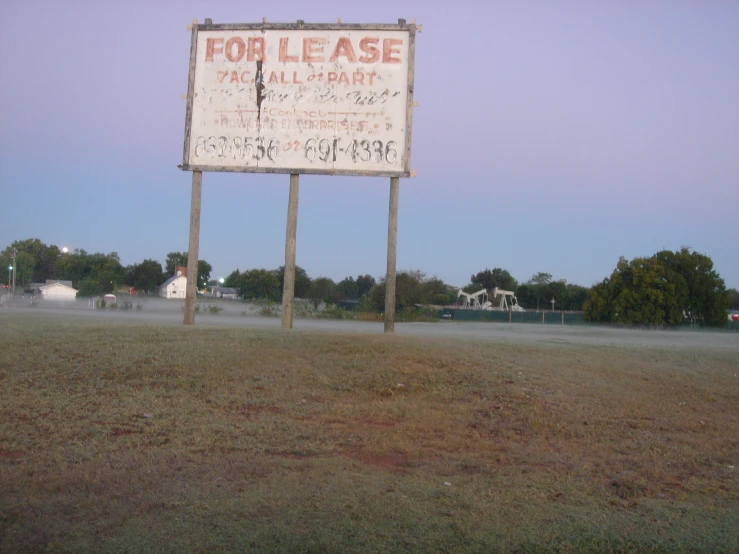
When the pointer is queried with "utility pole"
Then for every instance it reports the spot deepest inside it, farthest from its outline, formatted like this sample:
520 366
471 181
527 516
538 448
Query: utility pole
12 293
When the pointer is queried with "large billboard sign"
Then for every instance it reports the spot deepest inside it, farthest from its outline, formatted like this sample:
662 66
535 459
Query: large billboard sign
300 98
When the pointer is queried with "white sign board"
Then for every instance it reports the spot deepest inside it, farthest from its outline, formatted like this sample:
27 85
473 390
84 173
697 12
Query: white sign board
300 98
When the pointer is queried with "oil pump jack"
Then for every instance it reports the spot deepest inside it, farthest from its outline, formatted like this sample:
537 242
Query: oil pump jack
505 304
476 301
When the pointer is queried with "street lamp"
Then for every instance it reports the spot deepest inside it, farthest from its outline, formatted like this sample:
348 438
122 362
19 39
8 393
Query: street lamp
65 250
10 269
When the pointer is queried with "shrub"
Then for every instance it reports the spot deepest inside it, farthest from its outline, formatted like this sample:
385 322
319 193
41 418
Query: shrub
369 316
416 314
269 310
303 310
332 311
90 287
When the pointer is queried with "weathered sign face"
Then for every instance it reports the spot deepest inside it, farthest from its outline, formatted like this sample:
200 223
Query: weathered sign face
329 99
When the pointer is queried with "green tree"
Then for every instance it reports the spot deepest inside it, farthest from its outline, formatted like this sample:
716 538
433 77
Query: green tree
347 289
666 289
35 261
23 267
90 287
259 284
322 290
233 279
411 288
365 284
173 260
598 306
435 291
104 269
376 297
354 289
556 290
179 259
576 297
733 295
649 294
302 281
489 279
539 281
540 293
706 300
107 270
147 275
408 290
73 266
204 269
526 295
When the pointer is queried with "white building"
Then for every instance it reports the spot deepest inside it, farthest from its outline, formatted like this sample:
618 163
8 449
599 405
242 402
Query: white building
57 291
174 287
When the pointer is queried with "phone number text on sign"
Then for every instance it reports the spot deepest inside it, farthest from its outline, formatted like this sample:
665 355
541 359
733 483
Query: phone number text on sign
314 99
255 149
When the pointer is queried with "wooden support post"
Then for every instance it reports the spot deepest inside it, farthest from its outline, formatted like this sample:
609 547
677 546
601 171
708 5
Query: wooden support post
288 287
392 243
542 316
563 317
14 258
510 316
191 290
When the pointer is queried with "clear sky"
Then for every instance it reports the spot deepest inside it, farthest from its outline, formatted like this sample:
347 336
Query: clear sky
550 136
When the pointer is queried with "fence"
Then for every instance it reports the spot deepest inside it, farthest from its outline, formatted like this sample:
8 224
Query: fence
542 316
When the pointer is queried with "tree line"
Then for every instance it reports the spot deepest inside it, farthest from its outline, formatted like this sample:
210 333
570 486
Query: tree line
668 288
91 274
536 293
265 284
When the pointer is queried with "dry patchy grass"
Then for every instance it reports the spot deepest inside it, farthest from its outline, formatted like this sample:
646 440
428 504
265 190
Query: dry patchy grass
122 437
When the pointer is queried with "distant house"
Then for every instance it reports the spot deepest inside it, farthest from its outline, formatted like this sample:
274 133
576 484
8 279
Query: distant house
57 291
174 287
35 288
51 281
225 292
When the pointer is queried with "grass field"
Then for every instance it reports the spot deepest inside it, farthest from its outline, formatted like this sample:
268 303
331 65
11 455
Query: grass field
124 437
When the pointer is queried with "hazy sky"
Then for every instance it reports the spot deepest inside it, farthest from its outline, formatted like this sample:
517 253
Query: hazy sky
550 136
